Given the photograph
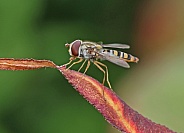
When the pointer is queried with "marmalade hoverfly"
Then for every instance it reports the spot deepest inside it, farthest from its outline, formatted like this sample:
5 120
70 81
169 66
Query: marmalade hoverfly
92 51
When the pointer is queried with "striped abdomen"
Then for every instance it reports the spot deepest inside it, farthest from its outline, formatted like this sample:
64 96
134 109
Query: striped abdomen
122 55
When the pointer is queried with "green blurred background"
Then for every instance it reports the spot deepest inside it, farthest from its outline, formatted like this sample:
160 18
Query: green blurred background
42 101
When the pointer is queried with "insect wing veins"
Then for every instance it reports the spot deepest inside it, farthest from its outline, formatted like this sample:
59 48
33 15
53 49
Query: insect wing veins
114 59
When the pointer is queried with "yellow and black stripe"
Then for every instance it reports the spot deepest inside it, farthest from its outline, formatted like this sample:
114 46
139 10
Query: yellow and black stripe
122 55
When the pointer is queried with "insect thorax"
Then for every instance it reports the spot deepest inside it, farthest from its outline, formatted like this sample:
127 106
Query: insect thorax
88 51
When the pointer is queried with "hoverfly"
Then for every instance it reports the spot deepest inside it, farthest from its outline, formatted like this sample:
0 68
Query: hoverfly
92 51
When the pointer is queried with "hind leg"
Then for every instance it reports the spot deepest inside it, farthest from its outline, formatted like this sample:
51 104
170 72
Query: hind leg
106 74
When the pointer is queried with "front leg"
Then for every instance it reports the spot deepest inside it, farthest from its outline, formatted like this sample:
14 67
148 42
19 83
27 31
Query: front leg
71 59
80 60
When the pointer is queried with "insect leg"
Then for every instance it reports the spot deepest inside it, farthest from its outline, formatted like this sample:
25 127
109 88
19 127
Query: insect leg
99 67
68 63
99 63
71 59
87 66
80 60
82 65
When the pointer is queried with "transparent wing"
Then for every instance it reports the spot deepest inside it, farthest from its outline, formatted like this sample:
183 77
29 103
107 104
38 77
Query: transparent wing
114 59
116 45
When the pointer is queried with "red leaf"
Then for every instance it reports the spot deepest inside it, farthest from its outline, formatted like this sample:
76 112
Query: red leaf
115 110
24 64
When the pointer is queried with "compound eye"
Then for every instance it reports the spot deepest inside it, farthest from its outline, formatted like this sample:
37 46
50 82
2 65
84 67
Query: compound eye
75 47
